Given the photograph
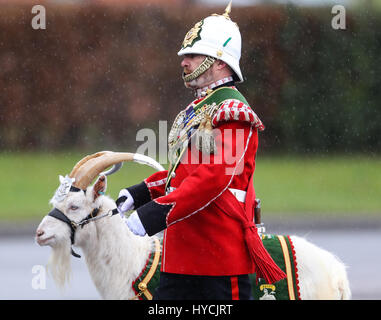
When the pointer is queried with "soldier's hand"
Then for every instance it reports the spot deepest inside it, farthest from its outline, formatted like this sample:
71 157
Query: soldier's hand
135 225
125 202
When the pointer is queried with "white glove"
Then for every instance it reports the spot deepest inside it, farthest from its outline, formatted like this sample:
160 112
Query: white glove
135 225
128 204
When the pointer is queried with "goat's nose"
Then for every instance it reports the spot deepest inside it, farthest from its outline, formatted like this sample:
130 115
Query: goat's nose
39 233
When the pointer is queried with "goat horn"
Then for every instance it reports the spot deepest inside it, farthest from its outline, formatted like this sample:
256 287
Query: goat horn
82 161
91 166
114 169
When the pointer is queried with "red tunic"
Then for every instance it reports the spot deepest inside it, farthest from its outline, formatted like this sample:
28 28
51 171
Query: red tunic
201 237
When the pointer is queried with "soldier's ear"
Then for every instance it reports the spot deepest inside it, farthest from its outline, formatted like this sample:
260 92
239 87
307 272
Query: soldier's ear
221 64
100 187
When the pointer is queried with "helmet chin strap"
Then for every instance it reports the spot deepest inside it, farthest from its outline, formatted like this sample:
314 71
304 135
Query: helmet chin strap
205 65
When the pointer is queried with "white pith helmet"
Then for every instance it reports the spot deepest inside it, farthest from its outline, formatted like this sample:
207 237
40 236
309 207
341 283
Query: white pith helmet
216 36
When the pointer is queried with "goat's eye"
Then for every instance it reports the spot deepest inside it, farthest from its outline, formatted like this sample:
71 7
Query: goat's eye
73 207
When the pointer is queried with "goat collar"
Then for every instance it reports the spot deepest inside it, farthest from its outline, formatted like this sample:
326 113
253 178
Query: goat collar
58 214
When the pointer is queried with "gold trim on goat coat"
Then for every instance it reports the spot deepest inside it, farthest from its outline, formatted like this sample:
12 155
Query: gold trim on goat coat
148 279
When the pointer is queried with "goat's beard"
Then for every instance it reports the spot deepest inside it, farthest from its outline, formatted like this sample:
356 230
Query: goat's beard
59 264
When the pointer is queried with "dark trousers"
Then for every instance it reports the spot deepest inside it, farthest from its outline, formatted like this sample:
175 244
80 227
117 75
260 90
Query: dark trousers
189 287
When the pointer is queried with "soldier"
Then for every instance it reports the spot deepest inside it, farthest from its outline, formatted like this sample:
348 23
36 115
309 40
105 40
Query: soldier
205 208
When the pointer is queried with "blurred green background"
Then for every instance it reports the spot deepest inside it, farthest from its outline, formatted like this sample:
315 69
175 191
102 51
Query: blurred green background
103 70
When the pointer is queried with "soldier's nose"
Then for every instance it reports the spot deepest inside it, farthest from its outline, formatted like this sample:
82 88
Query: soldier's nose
184 63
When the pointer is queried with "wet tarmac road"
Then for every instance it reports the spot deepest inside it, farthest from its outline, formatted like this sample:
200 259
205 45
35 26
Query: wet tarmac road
22 264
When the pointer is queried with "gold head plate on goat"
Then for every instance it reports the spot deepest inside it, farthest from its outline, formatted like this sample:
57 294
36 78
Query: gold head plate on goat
88 168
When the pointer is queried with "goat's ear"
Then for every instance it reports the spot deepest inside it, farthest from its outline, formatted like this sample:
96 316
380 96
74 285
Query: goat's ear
100 187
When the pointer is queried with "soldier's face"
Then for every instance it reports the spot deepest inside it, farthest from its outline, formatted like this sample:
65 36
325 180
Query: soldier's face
190 63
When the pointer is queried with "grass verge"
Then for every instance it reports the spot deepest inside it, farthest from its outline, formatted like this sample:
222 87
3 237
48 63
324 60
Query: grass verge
295 186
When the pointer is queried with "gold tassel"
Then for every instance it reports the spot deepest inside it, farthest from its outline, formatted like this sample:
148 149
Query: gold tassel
205 139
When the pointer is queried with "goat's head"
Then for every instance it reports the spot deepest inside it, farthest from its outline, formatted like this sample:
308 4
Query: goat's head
71 206
74 202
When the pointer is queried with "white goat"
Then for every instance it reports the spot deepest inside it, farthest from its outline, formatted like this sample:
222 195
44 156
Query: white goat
115 256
